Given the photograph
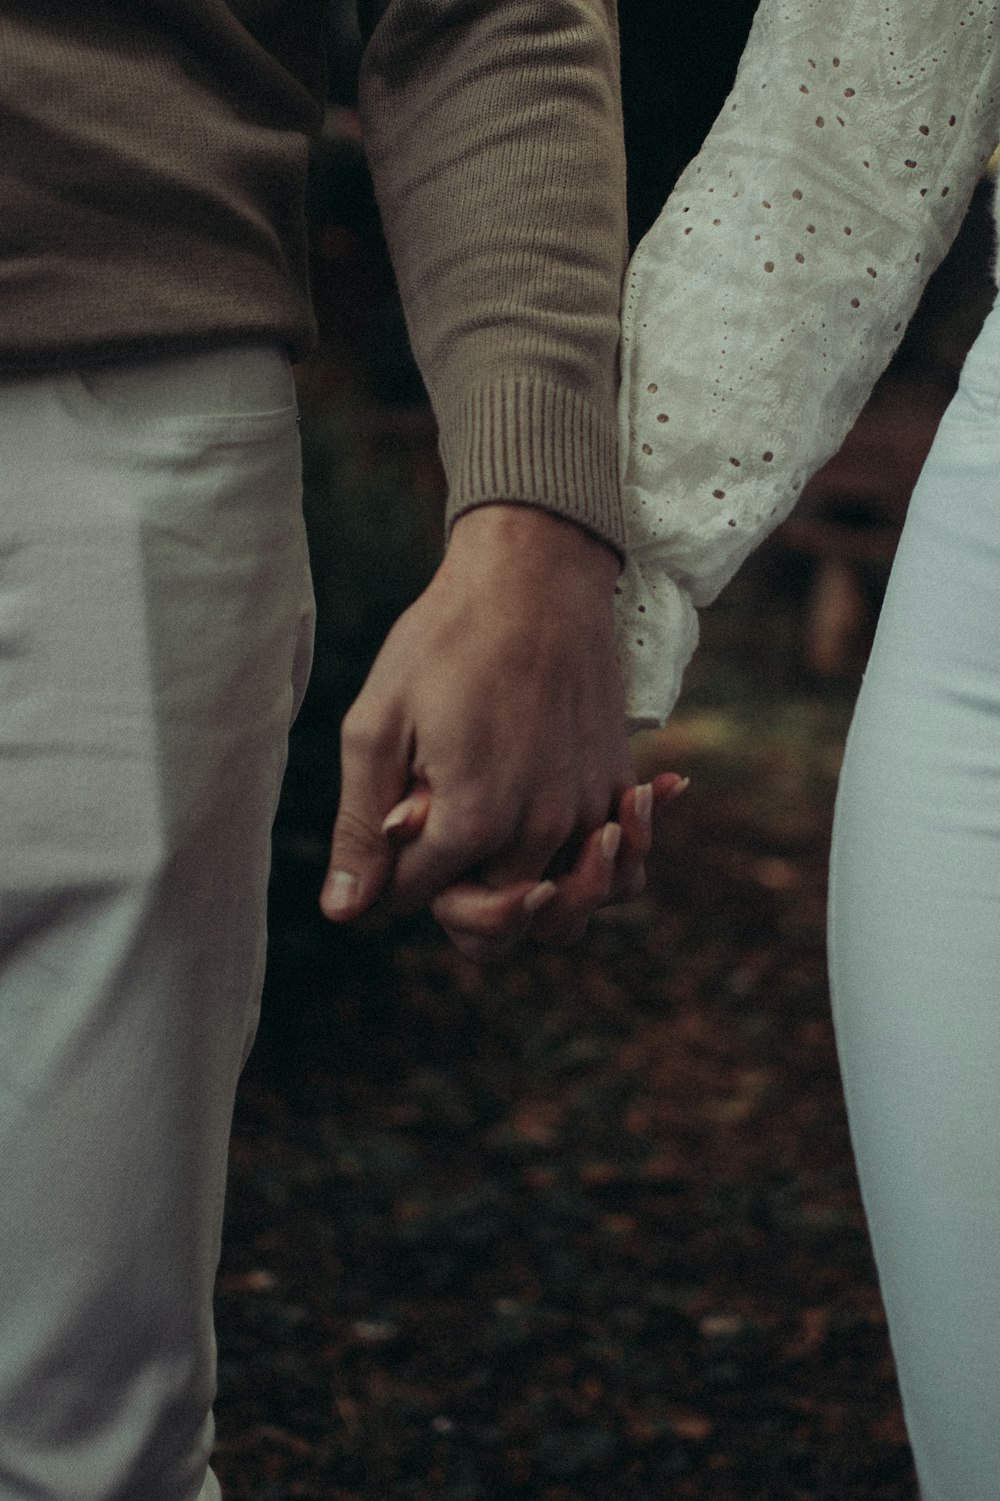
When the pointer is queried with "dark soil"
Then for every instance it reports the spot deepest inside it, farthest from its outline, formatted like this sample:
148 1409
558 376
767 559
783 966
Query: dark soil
582 1226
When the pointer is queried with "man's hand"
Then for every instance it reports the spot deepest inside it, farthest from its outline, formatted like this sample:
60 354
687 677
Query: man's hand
497 693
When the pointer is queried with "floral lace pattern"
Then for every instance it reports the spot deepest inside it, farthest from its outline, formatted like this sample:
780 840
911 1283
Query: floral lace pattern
770 294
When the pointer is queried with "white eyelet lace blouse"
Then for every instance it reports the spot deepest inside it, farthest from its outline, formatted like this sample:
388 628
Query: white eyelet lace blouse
770 294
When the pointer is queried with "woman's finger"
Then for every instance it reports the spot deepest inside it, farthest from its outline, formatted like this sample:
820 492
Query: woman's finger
406 820
636 811
582 890
484 924
666 787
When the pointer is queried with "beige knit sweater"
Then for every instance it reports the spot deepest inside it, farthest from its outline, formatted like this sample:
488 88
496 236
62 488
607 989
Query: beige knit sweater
151 187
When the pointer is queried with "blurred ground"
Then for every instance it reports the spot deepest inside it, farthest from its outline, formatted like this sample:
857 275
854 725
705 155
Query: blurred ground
584 1225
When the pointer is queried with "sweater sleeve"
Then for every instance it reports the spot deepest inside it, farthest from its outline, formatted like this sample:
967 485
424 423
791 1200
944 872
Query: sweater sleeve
770 294
494 132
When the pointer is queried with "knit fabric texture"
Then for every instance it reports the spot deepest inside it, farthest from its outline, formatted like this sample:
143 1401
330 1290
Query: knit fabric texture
773 289
152 182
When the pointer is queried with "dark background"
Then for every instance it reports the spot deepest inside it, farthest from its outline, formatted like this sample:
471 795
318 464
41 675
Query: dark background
583 1225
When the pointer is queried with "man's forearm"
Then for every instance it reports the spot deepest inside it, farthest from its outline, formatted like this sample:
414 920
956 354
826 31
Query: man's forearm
494 134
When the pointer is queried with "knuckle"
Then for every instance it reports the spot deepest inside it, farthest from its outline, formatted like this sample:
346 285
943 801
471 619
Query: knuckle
359 731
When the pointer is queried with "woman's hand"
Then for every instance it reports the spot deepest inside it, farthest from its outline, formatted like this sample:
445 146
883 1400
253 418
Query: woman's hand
485 921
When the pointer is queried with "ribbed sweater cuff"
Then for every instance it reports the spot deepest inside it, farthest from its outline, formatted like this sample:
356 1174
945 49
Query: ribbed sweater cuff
534 442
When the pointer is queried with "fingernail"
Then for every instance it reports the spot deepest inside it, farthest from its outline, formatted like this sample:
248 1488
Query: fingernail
611 838
682 786
339 893
644 802
398 816
539 896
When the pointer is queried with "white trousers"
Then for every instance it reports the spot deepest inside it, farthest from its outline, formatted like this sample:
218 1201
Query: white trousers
155 627
915 946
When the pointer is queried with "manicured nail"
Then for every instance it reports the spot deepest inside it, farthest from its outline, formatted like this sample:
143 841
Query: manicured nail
682 786
611 838
539 896
644 802
339 893
398 816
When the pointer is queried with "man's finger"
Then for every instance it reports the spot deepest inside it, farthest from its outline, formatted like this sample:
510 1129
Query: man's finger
362 855
360 865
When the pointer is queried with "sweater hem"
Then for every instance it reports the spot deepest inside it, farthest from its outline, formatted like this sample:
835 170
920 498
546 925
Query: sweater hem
529 441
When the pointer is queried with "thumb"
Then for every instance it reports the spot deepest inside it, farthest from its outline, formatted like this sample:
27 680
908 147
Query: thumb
362 856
